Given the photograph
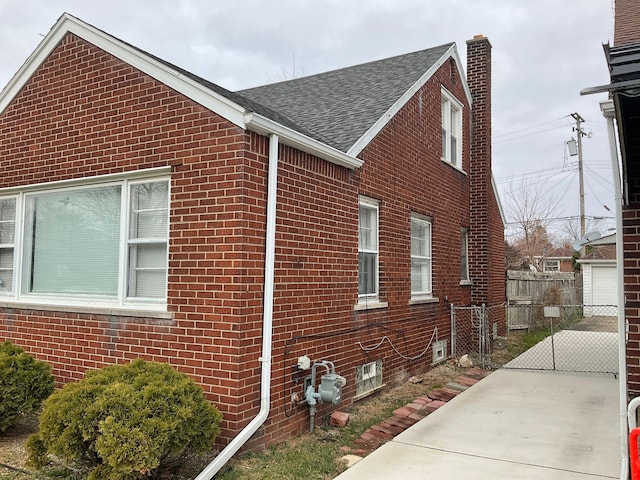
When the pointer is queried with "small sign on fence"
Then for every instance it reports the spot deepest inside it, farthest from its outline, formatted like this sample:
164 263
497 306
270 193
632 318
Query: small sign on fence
552 312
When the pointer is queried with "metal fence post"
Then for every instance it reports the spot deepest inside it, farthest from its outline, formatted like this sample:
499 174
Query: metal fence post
453 331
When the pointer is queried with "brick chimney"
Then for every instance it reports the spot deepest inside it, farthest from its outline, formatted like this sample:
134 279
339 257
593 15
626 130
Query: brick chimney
481 191
626 22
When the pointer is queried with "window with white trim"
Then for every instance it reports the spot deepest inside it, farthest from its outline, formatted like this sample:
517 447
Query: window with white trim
368 250
451 129
552 265
101 244
368 378
7 243
464 255
420 256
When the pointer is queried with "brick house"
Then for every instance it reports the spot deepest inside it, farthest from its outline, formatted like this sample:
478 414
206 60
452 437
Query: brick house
147 212
622 111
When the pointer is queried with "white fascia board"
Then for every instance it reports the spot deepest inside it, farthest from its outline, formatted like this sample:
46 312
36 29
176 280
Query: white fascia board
497 195
288 136
370 134
597 261
161 72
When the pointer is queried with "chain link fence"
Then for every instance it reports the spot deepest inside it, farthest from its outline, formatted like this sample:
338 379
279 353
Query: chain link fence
474 330
571 338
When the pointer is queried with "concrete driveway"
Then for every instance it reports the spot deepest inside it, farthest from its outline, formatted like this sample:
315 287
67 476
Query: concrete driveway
510 425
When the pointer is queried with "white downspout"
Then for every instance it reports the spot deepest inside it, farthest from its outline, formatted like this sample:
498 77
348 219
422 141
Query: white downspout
608 112
267 331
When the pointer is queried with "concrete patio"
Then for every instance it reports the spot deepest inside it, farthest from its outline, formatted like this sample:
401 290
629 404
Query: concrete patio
512 424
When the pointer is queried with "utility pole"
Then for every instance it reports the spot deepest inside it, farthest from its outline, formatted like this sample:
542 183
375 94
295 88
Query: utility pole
579 134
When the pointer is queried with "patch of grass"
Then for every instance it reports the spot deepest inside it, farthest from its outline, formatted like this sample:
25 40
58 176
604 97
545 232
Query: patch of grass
304 457
530 339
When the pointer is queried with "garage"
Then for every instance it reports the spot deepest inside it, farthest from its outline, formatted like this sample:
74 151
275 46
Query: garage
600 282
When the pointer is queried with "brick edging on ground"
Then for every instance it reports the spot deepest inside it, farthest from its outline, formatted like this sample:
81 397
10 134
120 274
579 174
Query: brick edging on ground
406 416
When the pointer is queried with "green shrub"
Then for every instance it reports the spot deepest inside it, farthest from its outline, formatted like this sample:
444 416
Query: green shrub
24 383
125 422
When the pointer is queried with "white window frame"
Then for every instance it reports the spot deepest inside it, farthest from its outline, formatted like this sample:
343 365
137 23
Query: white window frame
465 279
451 115
374 205
368 378
427 291
8 289
554 262
91 302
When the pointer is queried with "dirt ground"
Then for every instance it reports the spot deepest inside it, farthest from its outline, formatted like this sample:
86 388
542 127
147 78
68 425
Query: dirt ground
12 449
12 442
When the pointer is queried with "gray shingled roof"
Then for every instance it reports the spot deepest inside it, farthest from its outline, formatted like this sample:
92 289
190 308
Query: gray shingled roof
339 106
336 107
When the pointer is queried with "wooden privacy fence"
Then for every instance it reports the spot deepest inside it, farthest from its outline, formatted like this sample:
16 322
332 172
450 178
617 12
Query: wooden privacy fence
537 288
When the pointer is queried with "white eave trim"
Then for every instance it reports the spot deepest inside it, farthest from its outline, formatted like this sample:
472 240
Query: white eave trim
370 134
597 261
288 136
161 72
173 79
497 195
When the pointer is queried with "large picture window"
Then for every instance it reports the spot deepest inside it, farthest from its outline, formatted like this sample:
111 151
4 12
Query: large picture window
420 257
98 244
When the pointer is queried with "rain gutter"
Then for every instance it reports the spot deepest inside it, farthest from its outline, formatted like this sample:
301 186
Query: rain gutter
608 111
267 326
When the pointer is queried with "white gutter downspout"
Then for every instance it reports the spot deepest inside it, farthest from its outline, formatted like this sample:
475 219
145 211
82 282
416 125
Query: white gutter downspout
609 113
267 323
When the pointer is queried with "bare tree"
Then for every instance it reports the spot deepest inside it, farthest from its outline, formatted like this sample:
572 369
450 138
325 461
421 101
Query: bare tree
528 210
571 228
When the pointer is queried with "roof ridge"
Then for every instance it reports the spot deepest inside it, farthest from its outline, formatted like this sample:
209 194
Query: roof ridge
340 69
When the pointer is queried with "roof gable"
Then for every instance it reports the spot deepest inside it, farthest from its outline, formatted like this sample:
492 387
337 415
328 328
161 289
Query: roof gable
346 108
333 115
239 110
125 52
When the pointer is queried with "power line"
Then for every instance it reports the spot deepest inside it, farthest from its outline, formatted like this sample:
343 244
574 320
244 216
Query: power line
513 132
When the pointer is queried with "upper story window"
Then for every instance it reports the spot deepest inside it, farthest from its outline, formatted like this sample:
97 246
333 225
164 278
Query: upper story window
99 244
368 250
451 129
421 268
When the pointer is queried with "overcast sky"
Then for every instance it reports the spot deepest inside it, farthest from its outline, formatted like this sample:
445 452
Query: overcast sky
544 53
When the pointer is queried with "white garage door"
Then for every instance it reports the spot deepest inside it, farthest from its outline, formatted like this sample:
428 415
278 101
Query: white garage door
604 289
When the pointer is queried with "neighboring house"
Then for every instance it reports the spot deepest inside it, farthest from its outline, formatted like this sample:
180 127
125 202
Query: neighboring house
147 212
556 259
599 277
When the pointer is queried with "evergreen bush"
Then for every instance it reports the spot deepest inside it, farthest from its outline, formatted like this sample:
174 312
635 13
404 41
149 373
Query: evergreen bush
24 383
124 422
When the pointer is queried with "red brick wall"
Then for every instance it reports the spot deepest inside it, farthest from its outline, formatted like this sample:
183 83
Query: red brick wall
631 219
487 259
626 22
85 114
627 30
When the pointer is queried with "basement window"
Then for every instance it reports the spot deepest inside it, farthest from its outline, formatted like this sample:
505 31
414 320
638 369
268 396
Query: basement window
368 378
439 351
